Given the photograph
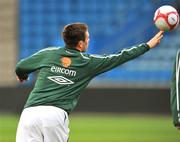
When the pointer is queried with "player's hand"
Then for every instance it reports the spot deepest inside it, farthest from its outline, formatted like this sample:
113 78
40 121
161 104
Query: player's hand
21 80
156 39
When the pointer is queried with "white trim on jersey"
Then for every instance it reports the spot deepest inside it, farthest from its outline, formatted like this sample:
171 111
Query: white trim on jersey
112 55
47 49
84 56
98 56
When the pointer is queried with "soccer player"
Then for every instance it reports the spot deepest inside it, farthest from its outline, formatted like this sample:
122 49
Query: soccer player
63 74
175 90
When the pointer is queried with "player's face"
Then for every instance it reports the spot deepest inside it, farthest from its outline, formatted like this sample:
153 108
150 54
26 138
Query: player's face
86 42
83 45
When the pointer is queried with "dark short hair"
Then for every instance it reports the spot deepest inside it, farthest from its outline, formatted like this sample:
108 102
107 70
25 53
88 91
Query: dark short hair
73 33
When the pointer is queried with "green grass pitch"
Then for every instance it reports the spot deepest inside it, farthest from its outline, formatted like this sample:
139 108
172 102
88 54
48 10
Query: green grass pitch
107 128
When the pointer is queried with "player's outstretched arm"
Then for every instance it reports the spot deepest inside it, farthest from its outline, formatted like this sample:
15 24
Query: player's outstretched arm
156 39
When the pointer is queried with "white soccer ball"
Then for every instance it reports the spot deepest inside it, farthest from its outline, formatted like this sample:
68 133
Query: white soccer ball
166 18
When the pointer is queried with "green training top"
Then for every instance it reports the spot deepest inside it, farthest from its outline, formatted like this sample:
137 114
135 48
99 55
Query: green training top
175 90
65 72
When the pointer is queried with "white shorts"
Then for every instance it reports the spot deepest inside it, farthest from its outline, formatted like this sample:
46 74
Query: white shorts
43 124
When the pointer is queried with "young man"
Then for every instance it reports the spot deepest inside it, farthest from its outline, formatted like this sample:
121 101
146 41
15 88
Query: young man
63 74
175 90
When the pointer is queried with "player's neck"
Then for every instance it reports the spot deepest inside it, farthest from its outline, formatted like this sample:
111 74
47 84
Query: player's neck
72 48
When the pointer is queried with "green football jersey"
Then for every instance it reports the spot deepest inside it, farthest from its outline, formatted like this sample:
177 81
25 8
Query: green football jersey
175 90
65 72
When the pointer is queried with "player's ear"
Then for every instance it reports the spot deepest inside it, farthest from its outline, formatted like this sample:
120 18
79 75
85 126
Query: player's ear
80 45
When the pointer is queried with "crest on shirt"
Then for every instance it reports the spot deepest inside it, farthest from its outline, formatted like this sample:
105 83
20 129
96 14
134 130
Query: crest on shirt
65 61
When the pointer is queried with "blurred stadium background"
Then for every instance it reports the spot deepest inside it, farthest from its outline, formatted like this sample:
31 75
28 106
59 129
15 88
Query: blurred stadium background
134 97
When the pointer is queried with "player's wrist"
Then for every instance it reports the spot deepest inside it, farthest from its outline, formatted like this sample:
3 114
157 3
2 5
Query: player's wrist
147 45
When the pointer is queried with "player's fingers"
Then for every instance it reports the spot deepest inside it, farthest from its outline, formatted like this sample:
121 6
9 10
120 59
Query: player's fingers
17 78
21 80
159 34
160 37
